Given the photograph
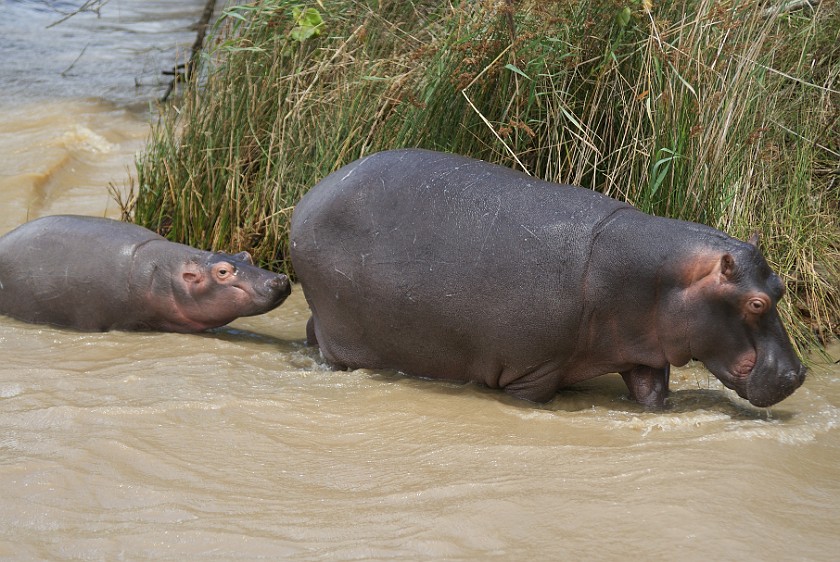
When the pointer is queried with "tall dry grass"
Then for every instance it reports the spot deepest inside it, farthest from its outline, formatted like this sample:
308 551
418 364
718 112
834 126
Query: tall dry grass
701 110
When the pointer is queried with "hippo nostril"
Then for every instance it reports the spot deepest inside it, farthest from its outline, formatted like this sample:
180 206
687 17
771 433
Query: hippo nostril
795 377
280 282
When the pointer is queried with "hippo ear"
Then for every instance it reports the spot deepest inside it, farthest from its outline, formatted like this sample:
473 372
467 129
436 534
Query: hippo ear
727 266
244 256
192 273
754 239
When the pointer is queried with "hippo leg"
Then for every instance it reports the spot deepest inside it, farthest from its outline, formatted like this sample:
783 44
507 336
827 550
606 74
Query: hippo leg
311 339
648 386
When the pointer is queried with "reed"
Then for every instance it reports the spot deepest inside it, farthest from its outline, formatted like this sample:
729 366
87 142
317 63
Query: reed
695 109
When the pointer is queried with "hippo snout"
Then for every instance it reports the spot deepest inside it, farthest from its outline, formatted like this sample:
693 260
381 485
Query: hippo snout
797 376
764 391
281 284
793 378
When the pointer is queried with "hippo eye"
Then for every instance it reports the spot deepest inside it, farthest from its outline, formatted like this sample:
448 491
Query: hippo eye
756 305
225 270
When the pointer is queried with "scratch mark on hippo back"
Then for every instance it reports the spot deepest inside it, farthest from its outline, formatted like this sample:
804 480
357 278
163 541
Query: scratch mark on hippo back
489 229
533 235
356 167
344 275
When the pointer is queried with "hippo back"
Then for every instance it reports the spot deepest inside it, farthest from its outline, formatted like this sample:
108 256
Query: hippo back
474 267
43 258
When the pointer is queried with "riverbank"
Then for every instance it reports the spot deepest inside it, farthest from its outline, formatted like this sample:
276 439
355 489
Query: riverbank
76 101
117 54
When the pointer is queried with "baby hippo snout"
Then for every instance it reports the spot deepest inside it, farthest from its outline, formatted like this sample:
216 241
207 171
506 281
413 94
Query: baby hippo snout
279 284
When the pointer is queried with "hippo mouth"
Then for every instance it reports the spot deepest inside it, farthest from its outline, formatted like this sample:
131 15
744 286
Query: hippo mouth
759 379
737 376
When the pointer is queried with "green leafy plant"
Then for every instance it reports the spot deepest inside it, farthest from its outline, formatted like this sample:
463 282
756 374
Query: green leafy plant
308 23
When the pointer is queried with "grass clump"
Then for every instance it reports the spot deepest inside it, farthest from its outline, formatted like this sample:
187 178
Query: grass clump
717 112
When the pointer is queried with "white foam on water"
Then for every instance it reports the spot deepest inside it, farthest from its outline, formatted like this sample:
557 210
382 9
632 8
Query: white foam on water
82 138
648 423
10 390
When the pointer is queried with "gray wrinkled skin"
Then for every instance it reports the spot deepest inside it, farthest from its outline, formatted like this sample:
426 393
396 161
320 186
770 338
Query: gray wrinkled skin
98 274
446 267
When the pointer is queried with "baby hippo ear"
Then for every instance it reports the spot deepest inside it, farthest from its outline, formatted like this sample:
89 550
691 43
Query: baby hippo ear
192 273
244 256
754 239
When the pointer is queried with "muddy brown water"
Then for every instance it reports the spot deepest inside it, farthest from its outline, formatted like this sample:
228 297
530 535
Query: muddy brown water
240 444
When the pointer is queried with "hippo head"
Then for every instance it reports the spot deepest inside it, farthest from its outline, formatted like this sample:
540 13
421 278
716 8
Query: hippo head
731 323
216 288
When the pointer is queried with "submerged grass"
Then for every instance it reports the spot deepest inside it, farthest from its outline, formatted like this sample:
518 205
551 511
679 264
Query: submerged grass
712 111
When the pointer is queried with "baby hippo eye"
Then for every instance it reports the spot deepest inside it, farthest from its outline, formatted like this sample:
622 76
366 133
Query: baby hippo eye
225 270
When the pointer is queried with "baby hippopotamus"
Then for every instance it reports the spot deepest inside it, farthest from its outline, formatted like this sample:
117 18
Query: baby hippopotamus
98 274
446 267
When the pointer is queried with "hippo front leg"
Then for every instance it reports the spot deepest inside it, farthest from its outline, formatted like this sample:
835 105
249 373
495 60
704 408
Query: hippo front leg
648 386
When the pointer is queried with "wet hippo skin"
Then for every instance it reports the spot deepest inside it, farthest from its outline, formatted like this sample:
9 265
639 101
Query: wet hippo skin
447 267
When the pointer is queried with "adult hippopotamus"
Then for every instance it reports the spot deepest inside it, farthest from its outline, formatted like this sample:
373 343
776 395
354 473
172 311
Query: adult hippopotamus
447 267
99 274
